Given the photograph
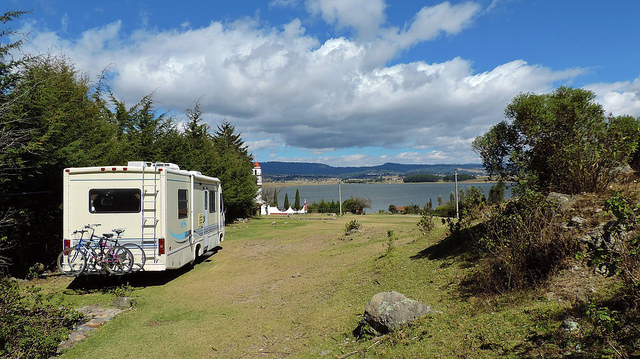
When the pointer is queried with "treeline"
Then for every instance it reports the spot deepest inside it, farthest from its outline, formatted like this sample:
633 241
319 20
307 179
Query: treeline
468 198
355 205
428 177
52 117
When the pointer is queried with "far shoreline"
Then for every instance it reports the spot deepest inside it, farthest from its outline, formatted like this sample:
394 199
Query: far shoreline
334 181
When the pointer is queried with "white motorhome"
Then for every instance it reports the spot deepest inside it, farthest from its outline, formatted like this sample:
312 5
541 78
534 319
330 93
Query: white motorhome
174 215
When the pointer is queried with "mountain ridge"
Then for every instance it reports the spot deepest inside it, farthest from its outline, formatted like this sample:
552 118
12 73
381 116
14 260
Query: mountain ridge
312 169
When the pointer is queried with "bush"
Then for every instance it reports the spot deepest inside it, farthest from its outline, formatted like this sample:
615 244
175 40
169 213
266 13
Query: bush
426 223
352 226
619 252
523 242
389 246
31 325
356 205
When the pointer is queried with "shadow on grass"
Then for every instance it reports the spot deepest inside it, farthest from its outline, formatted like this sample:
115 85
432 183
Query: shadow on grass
106 283
454 245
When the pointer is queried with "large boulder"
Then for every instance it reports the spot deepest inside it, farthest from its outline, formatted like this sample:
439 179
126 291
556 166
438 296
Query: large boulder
388 311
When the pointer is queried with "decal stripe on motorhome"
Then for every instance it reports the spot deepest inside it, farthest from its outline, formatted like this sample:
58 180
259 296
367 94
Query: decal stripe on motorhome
180 237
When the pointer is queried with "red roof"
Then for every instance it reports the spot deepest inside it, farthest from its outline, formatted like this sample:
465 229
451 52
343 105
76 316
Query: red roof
256 164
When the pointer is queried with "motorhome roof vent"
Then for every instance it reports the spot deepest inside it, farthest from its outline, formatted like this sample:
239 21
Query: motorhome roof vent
136 164
173 166
151 164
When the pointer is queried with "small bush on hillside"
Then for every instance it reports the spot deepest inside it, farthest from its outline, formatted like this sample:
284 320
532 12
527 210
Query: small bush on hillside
389 246
31 326
352 226
523 242
619 252
426 223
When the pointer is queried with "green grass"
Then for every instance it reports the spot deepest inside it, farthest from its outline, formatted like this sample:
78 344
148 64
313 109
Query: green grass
299 287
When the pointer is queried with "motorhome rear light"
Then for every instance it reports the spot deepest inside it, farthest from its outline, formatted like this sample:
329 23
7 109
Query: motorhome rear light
67 243
102 169
124 168
159 169
113 168
161 246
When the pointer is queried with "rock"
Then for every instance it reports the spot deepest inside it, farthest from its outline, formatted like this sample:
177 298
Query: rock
122 302
622 170
564 200
388 311
577 221
570 325
594 237
39 268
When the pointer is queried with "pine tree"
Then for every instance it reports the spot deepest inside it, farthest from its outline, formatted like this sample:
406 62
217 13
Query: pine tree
296 204
233 165
275 199
286 201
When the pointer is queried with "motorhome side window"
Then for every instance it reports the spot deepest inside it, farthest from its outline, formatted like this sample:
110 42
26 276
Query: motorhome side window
114 200
183 204
212 202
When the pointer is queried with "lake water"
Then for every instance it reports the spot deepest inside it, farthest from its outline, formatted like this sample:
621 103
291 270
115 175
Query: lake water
382 194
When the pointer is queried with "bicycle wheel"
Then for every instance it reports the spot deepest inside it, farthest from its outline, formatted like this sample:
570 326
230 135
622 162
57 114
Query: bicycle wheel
139 256
118 260
93 264
72 262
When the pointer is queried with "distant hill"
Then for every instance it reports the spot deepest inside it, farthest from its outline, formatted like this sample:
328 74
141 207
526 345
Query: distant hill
277 169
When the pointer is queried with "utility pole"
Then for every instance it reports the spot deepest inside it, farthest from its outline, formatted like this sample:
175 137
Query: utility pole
340 195
457 207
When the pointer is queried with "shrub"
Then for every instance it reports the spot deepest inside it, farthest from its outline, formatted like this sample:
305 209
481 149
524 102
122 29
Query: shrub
426 223
356 205
352 226
619 252
524 243
31 325
391 238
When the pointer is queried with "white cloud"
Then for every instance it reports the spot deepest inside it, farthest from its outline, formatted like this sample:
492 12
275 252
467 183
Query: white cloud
296 91
619 98
432 21
365 16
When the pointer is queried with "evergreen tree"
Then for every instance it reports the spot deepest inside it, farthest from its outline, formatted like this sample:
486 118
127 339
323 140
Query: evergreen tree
286 201
296 203
234 167
200 152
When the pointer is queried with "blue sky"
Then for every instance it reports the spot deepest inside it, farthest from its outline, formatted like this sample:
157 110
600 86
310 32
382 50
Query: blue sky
346 82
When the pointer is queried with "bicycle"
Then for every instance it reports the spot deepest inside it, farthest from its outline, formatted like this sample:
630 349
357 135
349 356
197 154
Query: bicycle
139 256
76 259
85 257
